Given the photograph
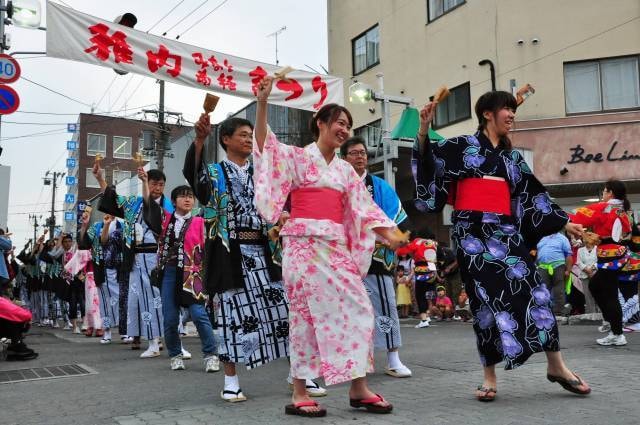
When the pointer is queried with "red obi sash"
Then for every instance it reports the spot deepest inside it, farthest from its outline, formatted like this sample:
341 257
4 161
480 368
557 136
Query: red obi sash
318 203
478 194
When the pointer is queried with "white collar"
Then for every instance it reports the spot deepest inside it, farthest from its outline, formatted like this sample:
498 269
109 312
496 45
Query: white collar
614 201
363 176
183 217
244 167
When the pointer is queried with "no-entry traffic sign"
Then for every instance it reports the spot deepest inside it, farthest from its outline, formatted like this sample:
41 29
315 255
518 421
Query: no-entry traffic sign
9 69
9 100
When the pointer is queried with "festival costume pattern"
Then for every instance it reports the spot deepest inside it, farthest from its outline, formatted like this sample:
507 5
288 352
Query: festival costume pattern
252 314
510 304
331 317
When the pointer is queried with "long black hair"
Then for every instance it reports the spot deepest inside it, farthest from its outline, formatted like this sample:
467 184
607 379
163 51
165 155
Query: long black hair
619 190
494 101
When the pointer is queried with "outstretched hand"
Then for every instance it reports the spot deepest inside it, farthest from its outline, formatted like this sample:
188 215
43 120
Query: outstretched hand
264 88
142 175
427 113
203 128
574 229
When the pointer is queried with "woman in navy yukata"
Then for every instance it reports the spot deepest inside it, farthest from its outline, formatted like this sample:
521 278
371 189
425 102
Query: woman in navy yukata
500 212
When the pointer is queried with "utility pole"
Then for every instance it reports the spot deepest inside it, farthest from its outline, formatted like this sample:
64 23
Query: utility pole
35 226
51 221
161 144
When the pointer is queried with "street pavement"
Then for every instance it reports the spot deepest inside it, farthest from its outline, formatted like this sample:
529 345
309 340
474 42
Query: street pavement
127 390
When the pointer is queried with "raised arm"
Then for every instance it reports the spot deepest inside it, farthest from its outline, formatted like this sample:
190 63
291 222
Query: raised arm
260 130
193 168
104 234
97 173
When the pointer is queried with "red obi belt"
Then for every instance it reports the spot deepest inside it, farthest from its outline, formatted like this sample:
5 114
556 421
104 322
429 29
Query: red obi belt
317 203
478 194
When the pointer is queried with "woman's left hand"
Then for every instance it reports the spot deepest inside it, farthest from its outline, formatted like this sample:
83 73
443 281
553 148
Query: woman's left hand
574 229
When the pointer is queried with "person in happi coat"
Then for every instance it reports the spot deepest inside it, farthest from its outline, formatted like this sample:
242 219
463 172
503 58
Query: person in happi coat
500 212
144 312
629 280
609 220
252 313
379 279
181 239
328 242
104 238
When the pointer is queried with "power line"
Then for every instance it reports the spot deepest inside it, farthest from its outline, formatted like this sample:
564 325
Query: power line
106 90
131 95
200 20
77 113
185 17
56 92
167 14
122 91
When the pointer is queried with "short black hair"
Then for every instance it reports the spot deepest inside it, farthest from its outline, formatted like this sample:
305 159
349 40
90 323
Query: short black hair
352 141
229 126
156 175
183 190
66 236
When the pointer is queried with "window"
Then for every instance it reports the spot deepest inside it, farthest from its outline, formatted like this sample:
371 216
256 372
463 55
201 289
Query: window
122 147
365 50
602 85
527 155
91 181
96 144
371 132
437 8
455 108
120 175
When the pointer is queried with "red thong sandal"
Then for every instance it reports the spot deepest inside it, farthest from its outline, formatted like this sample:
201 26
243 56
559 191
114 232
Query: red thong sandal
486 394
370 404
297 409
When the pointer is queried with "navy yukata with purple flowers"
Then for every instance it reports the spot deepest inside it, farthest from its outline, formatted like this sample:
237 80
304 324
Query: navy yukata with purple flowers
510 303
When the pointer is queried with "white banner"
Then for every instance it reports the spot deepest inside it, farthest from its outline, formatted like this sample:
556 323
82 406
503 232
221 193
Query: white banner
84 38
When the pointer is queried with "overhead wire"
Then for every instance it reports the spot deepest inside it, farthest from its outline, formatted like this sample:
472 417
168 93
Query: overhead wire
106 90
56 92
185 17
166 14
200 20
122 91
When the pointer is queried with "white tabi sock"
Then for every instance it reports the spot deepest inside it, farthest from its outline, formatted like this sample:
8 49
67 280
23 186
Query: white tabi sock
107 334
393 359
231 383
153 345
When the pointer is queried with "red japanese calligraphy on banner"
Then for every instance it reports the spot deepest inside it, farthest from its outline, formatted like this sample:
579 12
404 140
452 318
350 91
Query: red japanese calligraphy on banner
84 38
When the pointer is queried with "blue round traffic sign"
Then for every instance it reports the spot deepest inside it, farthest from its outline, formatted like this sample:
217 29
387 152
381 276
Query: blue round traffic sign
9 69
9 100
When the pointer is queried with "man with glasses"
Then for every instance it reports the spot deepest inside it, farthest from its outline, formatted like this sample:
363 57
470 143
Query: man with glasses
379 280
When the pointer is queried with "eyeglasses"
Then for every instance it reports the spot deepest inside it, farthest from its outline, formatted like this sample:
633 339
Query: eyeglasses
357 153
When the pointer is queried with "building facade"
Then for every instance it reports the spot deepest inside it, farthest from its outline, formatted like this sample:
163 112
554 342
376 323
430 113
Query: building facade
117 140
580 128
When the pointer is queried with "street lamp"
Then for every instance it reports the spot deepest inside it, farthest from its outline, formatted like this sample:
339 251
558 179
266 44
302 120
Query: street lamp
362 93
25 13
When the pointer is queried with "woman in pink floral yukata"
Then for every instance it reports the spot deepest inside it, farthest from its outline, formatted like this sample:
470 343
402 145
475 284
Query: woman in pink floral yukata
327 246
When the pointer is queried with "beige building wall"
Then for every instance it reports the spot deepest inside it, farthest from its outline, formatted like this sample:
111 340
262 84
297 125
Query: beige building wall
417 57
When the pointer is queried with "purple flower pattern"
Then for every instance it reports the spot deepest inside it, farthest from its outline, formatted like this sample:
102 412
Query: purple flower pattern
497 248
510 345
541 295
518 271
471 245
543 318
485 317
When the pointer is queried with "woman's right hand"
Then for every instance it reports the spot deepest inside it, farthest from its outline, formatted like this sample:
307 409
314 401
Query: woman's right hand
427 113
264 88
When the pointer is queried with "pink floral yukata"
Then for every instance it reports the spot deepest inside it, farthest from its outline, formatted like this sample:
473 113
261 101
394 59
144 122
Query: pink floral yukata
324 261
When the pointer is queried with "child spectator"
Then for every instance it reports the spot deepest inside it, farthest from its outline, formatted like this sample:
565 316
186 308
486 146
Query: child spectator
462 310
442 306
403 292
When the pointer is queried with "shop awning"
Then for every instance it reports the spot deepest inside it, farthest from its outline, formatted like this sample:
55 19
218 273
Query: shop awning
407 127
